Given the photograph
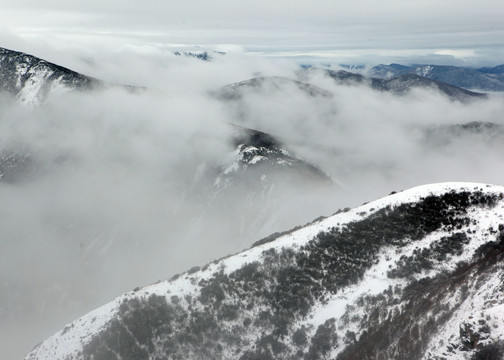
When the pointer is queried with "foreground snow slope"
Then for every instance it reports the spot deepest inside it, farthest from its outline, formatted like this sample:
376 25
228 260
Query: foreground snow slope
417 275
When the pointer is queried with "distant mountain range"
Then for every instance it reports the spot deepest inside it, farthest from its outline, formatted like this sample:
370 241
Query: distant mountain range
481 79
399 84
31 79
415 275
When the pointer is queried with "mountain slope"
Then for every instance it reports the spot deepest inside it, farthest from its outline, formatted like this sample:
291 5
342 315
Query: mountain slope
404 83
414 275
401 84
485 79
260 158
30 79
251 184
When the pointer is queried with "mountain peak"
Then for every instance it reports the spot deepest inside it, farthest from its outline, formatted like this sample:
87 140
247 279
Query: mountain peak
483 79
31 79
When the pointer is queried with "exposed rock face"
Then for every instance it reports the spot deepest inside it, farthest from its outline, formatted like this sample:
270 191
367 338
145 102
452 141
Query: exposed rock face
416 275
30 79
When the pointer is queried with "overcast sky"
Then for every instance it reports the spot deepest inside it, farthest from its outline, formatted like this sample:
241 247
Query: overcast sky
427 31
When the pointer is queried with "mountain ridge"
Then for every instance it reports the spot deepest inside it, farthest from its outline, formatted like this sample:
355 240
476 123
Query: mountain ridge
336 289
482 79
400 84
30 79
234 91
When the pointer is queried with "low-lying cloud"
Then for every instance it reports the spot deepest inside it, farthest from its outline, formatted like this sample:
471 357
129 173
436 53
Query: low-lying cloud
374 142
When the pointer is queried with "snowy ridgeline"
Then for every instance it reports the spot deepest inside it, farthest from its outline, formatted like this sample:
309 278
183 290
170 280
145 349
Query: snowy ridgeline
30 79
417 274
482 79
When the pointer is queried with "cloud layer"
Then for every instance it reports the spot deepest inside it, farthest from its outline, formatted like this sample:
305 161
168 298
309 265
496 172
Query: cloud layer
359 31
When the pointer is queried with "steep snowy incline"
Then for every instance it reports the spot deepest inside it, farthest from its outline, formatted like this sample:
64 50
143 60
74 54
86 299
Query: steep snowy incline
31 79
417 274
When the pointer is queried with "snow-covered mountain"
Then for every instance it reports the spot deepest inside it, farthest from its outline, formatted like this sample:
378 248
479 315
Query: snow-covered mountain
253 183
484 79
417 274
30 79
259 158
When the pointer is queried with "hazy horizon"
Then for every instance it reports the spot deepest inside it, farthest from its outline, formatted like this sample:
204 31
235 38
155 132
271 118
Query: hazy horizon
359 32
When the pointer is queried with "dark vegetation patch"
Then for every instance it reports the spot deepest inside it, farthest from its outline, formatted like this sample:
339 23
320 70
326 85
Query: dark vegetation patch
424 259
151 328
251 137
494 351
299 337
340 257
253 310
324 340
473 333
492 249
398 334
132 334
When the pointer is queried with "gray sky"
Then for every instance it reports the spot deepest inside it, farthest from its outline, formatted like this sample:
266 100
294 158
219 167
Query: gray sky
427 31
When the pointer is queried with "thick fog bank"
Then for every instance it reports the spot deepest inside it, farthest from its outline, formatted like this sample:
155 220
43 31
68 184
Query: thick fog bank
373 142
